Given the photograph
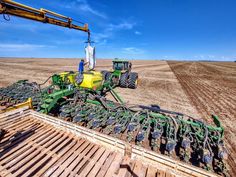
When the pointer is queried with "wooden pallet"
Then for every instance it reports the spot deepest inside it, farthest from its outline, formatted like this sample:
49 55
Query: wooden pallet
35 147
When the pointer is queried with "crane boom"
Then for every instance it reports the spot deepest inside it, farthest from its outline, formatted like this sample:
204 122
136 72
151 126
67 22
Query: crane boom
42 15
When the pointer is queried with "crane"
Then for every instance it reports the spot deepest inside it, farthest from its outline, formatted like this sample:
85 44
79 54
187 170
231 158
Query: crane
8 7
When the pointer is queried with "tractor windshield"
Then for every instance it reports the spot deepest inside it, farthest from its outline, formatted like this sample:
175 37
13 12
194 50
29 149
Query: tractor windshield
120 65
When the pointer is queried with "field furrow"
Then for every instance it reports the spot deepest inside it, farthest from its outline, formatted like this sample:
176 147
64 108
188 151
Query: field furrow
211 88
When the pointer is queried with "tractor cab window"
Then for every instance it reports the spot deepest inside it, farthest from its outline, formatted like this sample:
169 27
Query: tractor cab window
126 66
118 66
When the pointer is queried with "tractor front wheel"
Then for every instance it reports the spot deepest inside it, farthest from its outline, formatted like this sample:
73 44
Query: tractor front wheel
133 80
106 75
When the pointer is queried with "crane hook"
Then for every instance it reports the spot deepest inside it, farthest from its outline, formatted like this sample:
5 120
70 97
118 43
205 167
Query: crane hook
6 17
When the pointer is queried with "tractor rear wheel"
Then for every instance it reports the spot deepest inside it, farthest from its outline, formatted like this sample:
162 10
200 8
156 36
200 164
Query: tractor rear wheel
124 80
133 80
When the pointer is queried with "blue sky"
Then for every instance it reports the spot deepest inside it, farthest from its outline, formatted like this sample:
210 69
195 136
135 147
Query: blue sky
133 29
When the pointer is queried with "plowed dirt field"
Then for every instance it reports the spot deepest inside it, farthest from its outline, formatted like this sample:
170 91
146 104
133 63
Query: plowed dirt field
198 89
211 87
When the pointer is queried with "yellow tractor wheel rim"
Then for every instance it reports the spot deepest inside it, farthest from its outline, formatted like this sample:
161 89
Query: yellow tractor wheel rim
136 82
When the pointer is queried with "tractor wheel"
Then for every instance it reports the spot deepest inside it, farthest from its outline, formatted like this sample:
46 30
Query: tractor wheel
133 80
107 76
124 80
79 78
104 74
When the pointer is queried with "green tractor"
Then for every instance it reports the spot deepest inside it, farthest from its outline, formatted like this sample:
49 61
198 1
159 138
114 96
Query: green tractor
121 74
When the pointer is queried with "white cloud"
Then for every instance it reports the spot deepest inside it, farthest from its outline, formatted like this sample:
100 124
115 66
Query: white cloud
100 37
137 33
83 5
87 8
21 47
121 26
111 29
133 50
212 57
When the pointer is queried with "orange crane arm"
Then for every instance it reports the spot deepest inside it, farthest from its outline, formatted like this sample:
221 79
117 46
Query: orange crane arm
42 15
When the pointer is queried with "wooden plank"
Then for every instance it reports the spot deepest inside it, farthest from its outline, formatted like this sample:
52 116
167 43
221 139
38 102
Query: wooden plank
13 130
107 164
8 155
115 165
99 164
49 156
8 121
19 141
85 160
15 145
130 173
5 171
151 171
69 164
42 151
25 160
26 149
77 157
24 123
160 173
49 166
92 162
64 158
10 138
24 152
137 168
124 167
143 171
82 165
15 124
168 174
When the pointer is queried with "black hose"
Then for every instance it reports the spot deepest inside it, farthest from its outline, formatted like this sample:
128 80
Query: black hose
103 102
45 81
156 109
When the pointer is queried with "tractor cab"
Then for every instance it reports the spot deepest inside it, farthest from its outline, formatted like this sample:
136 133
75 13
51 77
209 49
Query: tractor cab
121 65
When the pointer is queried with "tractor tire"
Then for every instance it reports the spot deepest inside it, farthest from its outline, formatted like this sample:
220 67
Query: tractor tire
79 78
104 74
124 80
133 80
107 76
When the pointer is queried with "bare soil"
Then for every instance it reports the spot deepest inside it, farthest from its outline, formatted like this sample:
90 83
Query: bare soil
198 89
211 87
157 83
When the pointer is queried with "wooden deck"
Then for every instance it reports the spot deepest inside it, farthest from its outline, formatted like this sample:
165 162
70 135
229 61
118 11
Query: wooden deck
34 148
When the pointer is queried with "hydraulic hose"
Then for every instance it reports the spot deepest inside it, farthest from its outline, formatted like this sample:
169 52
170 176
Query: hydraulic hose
206 136
45 81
